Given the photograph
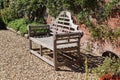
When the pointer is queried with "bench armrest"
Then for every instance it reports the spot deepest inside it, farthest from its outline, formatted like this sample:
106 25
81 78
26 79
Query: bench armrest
67 39
38 30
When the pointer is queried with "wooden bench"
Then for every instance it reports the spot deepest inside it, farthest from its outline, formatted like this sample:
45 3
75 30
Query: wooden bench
58 37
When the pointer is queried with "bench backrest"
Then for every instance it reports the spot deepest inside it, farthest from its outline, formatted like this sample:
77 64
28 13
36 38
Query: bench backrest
38 30
63 23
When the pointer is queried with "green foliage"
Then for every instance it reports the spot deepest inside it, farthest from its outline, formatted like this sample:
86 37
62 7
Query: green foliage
103 32
21 25
83 17
23 29
32 10
16 24
109 66
117 32
75 6
55 7
6 16
105 10
83 9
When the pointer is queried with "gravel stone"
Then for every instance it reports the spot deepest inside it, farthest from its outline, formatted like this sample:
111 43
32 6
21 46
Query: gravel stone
16 63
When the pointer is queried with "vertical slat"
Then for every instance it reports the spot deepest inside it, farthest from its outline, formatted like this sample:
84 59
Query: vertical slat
29 30
55 53
78 45
30 44
78 49
41 50
48 30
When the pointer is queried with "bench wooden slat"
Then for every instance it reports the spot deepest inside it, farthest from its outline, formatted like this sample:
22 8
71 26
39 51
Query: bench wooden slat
48 42
65 37
63 21
66 42
43 58
69 34
63 25
63 18
40 30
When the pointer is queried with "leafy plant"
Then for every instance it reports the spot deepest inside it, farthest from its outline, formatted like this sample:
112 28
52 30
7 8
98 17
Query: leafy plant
109 66
32 10
117 32
21 25
105 10
23 29
55 7
16 24
6 16
103 32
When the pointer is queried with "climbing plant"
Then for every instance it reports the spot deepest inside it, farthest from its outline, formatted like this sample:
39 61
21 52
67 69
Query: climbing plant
32 9
54 6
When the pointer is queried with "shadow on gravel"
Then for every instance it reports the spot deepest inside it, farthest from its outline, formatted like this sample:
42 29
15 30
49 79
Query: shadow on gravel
77 64
73 63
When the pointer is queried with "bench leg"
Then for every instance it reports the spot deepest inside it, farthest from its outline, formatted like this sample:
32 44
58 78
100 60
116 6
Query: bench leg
78 51
55 60
41 50
30 44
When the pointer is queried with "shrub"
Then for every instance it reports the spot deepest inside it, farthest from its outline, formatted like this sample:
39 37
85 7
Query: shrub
110 66
117 32
103 32
16 24
33 10
21 25
23 29
6 16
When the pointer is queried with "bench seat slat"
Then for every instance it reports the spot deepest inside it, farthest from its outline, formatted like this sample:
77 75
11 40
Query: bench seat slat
48 42
66 42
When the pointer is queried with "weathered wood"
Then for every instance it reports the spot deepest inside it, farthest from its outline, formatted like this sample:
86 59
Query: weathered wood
41 50
42 57
30 44
66 43
48 42
65 38
55 53
40 30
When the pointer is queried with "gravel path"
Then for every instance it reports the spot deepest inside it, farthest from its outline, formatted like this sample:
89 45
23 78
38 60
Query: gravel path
17 64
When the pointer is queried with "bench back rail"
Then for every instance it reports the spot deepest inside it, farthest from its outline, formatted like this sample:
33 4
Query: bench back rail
39 30
63 23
